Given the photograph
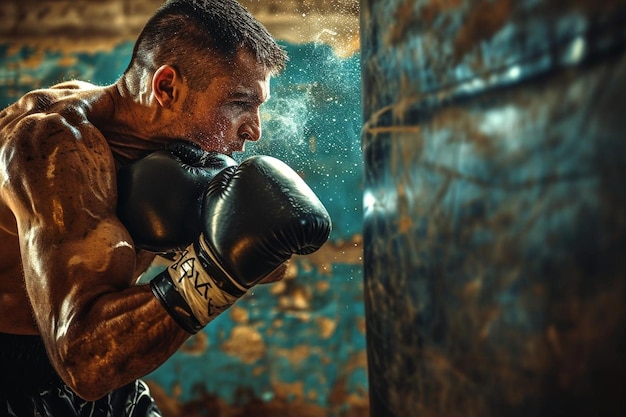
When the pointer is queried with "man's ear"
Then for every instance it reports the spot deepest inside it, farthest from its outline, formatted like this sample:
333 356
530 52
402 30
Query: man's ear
166 85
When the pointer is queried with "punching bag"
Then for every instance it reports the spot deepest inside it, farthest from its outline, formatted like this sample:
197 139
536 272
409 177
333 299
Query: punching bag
494 147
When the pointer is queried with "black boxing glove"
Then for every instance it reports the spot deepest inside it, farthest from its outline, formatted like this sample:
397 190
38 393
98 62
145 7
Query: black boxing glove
255 217
160 196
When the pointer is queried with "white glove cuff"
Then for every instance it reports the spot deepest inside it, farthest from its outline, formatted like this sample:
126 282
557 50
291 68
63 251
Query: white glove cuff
201 292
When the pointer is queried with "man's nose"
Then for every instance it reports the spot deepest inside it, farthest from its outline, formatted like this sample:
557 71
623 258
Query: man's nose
251 129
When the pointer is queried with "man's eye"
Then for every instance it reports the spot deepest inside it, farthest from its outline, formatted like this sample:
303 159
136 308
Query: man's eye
243 104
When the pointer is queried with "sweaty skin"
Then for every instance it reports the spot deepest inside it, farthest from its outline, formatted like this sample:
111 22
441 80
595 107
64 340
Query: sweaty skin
68 267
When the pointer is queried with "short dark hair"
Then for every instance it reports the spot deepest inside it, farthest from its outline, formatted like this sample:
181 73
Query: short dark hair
183 32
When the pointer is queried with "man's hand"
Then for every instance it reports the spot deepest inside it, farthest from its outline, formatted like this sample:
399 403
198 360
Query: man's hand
255 216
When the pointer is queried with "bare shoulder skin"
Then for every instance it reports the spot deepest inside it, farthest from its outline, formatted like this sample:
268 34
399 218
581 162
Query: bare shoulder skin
73 261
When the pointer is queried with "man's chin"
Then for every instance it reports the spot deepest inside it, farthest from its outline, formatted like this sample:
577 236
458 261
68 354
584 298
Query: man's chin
238 149
227 148
218 148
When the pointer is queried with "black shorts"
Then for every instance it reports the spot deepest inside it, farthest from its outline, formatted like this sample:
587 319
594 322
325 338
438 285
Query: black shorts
30 387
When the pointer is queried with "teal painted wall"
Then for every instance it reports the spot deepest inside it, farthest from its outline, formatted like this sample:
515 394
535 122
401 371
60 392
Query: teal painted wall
299 345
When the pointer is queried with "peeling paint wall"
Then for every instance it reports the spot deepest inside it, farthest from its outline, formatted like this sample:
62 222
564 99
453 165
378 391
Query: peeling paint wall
296 347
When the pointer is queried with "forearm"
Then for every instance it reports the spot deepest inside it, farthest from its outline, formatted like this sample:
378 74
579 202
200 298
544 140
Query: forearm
121 337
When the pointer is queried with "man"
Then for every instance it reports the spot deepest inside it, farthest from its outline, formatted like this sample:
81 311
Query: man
199 71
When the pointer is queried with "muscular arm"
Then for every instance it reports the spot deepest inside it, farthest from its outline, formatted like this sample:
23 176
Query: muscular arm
100 331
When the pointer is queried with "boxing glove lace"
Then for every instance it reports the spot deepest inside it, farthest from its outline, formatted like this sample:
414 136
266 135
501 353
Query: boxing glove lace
255 216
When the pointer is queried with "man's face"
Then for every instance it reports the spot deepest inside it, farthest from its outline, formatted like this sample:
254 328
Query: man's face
225 115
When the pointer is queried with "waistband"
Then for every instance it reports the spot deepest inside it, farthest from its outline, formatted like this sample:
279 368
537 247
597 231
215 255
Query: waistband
24 365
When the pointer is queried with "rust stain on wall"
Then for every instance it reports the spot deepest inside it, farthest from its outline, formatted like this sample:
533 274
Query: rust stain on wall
334 252
326 326
246 343
239 315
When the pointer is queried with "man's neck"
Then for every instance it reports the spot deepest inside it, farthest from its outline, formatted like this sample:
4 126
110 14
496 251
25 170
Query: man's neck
128 126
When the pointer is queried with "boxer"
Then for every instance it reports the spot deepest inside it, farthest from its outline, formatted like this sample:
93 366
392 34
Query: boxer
76 333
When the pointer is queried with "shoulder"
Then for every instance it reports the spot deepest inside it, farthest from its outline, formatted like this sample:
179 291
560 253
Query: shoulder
51 114
64 125
40 108
46 138
73 85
